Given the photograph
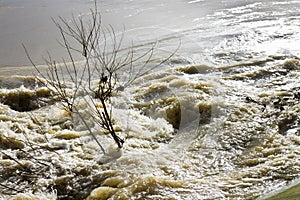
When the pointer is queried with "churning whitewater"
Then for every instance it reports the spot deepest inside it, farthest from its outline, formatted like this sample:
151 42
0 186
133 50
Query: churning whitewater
190 132
218 120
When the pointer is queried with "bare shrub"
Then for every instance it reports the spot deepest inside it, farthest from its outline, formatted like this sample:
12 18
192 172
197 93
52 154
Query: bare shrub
98 75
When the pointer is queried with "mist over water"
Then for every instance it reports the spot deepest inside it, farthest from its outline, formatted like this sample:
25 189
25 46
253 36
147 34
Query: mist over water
219 120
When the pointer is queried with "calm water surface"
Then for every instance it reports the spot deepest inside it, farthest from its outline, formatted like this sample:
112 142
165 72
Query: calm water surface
216 31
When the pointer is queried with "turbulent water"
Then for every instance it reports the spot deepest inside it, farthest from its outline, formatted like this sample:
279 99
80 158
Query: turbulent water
218 120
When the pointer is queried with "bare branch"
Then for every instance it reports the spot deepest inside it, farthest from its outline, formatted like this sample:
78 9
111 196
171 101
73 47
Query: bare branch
104 62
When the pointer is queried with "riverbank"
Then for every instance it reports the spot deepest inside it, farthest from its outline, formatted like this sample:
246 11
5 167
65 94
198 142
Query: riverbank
290 193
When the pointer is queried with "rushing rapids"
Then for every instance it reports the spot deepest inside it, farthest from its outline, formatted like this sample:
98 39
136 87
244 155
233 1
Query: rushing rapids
190 132
219 120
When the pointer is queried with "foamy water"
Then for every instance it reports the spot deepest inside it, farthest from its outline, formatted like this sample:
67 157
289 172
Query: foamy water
219 120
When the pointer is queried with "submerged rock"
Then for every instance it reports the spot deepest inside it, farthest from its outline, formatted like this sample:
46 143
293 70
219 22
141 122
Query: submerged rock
23 99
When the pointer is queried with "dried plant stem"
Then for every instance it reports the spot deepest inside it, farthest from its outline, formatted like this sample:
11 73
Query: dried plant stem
103 62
